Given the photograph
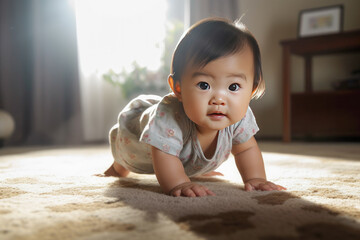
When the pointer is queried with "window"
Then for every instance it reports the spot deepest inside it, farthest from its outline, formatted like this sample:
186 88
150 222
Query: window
113 34
129 44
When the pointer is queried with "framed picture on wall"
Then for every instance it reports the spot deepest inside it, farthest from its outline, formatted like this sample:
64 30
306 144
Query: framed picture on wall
320 21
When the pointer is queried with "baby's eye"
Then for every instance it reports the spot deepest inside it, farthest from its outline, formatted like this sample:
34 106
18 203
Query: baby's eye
203 85
234 87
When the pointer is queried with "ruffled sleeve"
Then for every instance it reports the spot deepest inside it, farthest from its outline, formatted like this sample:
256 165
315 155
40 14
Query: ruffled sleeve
165 127
245 129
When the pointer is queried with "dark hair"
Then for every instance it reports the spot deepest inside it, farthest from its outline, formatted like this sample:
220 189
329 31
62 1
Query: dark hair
211 39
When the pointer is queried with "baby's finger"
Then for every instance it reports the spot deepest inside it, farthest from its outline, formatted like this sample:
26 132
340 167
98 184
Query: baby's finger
188 192
249 187
207 191
210 193
272 186
265 187
176 193
199 190
276 187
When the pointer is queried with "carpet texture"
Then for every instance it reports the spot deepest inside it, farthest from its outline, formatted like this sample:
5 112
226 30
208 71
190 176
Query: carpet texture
53 194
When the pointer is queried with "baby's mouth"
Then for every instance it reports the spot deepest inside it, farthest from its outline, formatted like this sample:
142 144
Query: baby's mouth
216 115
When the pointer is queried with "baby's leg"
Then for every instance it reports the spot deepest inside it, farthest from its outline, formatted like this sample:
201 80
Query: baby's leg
116 170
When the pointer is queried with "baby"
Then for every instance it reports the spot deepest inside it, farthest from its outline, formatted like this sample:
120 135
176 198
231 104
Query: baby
215 72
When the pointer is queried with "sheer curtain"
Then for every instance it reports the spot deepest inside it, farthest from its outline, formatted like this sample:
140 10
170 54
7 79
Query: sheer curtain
112 35
39 72
199 9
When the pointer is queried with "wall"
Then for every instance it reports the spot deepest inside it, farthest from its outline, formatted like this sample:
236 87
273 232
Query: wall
274 20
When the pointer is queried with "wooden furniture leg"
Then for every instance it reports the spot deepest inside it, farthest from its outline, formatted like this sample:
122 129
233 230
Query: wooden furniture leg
286 95
308 73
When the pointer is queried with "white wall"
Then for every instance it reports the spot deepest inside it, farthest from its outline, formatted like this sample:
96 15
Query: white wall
274 20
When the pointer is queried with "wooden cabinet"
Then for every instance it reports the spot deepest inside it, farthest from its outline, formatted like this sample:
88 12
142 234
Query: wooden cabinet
324 114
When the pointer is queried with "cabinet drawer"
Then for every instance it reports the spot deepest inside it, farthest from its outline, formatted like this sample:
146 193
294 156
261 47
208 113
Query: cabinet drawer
326 114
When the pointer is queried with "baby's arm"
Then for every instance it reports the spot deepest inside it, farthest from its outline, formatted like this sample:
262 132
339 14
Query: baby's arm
172 178
250 164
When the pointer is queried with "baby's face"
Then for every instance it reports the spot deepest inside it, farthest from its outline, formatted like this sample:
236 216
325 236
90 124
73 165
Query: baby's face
218 95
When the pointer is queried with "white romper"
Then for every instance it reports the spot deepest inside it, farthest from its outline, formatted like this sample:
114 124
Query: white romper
150 120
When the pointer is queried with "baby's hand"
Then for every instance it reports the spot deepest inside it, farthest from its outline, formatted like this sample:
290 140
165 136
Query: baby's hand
190 189
262 184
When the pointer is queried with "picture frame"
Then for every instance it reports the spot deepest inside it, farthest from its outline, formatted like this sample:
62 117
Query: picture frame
320 21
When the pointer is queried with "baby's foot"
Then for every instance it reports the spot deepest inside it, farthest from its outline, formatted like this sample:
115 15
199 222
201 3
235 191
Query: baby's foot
115 170
211 174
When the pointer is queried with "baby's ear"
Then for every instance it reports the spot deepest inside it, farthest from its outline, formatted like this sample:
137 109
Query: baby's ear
175 87
253 93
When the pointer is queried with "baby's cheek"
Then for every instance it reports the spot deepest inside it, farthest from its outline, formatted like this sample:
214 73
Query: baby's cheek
240 112
193 113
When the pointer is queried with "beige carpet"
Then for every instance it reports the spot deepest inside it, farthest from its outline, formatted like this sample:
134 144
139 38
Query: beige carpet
52 194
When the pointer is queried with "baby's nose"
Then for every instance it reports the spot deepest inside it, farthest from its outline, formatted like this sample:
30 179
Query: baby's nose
217 100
